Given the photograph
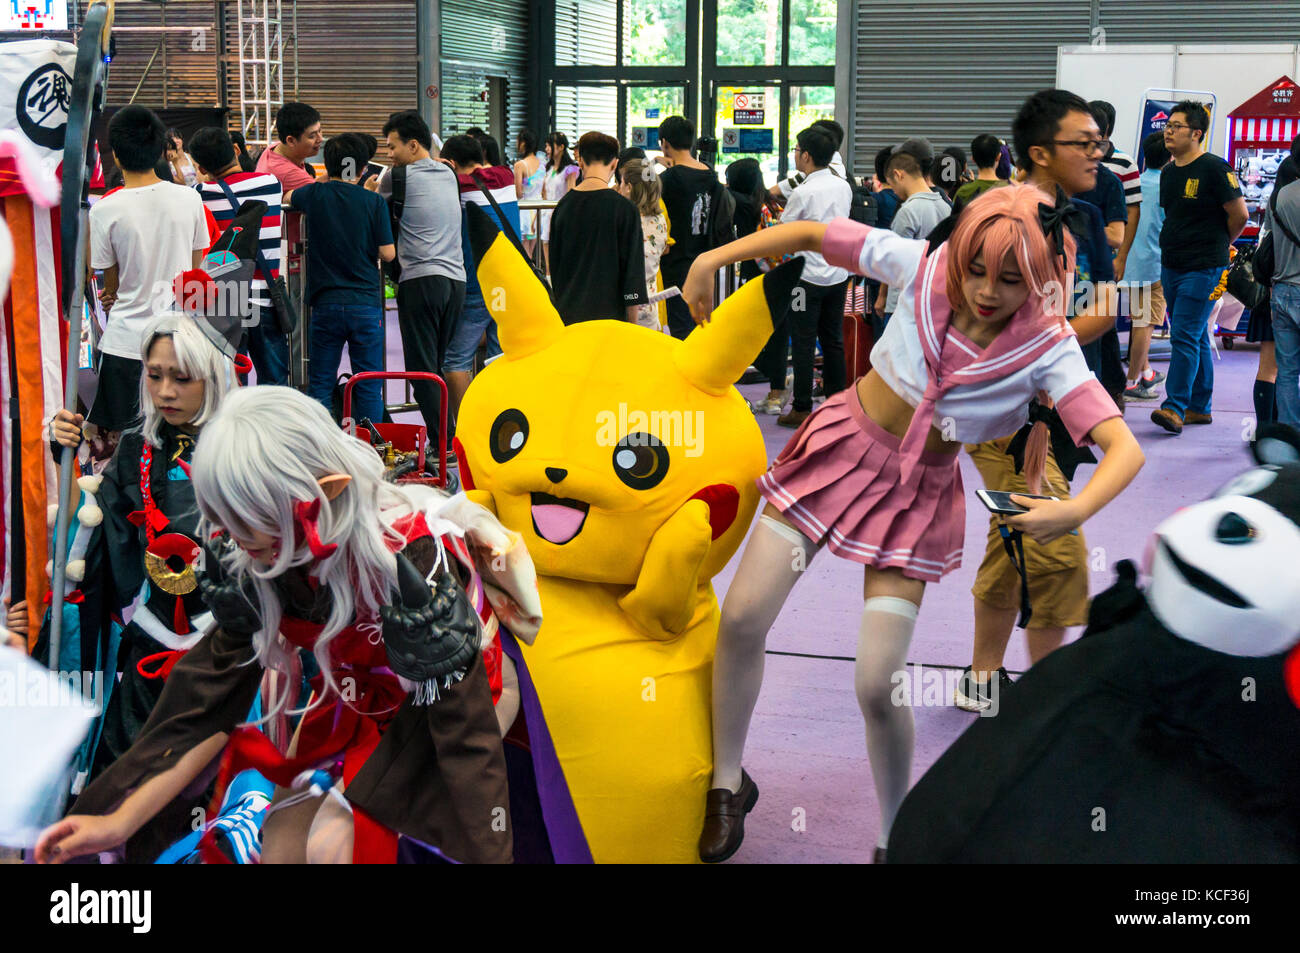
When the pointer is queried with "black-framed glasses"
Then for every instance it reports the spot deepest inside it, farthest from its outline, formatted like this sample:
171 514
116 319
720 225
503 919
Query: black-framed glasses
1177 125
1101 146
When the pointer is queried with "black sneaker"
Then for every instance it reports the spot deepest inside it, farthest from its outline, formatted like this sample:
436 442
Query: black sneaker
974 696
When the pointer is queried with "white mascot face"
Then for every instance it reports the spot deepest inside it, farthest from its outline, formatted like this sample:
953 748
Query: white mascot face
1225 573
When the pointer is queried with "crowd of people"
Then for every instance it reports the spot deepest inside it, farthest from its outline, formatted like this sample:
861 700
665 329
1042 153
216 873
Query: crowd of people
991 287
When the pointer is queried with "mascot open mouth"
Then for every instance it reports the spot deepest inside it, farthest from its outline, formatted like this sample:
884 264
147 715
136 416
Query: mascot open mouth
1206 583
558 520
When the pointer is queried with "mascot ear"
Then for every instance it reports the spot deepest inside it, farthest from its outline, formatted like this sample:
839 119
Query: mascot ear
1276 444
715 355
526 319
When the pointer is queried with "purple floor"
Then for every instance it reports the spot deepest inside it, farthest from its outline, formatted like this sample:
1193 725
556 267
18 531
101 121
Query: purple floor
809 757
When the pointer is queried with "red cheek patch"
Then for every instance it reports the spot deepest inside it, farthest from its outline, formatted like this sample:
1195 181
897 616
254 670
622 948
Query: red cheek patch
1291 675
723 500
466 478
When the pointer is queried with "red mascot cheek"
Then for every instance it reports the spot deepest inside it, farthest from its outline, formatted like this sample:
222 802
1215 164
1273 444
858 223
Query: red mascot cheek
723 500
466 477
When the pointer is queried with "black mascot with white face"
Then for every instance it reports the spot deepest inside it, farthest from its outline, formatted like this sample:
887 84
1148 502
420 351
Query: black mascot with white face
1170 732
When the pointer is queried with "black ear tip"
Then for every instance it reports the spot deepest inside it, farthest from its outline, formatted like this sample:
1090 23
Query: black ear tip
482 231
1276 444
779 283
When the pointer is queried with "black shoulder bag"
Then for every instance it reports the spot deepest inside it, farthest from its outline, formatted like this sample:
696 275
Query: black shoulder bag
1265 261
509 231
396 206
286 313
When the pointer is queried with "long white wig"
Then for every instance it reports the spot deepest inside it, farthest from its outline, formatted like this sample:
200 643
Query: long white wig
262 454
198 358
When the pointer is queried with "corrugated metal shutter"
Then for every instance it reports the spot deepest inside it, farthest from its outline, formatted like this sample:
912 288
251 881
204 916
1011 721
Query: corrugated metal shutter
1196 21
952 69
357 63
482 38
581 109
585 32
185 71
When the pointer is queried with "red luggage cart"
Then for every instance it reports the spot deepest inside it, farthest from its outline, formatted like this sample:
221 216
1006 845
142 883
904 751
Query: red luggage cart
405 438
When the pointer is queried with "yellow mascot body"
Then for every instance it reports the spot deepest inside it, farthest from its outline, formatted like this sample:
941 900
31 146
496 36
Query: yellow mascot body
627 461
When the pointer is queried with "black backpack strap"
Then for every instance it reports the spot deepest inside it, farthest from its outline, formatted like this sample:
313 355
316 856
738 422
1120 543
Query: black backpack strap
397 200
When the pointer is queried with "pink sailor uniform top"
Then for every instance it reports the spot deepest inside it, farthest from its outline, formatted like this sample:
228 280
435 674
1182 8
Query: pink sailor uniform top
973 395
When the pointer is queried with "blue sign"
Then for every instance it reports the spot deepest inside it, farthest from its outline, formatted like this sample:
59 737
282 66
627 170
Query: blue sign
1155 113
652 113
647 137
747 140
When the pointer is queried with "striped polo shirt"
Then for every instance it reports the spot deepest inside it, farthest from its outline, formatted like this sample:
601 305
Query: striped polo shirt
251 187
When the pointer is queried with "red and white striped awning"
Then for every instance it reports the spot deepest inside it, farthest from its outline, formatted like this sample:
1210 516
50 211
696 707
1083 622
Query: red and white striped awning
1265 130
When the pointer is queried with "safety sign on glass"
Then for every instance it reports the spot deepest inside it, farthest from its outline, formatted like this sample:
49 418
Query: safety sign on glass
749 117
748 101
747 140
652 113
647 137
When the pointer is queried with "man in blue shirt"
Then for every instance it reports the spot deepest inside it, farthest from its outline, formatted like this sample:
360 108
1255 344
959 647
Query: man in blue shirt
1142 274
349 232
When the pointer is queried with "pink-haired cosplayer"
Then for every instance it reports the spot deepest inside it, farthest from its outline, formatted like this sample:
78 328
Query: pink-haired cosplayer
873 474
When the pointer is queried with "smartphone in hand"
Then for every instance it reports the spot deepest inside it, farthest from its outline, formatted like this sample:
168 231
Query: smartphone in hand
999 501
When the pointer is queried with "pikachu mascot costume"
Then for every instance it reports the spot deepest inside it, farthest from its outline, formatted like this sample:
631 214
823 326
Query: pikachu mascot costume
627 460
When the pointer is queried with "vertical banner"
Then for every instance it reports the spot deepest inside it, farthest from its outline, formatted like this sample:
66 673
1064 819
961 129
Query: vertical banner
35 94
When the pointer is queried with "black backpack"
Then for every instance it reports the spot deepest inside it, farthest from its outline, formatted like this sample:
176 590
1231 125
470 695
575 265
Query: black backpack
864 208
396 205
722 225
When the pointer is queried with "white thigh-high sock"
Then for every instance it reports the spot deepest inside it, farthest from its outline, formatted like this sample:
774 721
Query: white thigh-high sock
883 639
772 563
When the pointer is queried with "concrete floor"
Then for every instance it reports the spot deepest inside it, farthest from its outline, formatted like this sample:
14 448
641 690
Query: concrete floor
807 750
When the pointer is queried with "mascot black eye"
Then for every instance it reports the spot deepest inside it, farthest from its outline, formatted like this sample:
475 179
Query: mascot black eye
641 461
1234 530
508 435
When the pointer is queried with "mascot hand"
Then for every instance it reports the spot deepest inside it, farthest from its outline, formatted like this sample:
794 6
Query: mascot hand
664 598
233 605
429 635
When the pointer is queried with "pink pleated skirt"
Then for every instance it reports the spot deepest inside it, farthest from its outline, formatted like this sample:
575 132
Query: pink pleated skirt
839 480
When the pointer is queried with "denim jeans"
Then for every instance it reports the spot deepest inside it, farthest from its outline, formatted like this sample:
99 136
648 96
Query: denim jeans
1286 338
1190 384
361 328
268 349
475 320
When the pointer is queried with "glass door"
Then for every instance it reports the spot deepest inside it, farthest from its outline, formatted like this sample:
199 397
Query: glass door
746 123
645 107
804 106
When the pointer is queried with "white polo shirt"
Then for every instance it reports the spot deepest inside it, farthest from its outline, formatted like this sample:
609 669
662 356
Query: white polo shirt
821 197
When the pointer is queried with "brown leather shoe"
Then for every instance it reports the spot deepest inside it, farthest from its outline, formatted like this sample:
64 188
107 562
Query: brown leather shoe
1167 419
724 820
794 418
1192 417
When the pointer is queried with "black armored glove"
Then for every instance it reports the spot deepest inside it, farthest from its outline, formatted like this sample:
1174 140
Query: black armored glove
233 606
430 637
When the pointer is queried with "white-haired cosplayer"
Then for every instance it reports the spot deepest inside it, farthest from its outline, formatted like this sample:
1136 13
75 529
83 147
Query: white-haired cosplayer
146 554
397 592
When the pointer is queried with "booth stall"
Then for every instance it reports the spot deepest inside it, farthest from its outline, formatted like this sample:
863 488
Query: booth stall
1260 132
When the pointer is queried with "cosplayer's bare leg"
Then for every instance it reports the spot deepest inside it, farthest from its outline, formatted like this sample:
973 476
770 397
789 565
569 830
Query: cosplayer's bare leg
774 559
284 834
329 841
885 633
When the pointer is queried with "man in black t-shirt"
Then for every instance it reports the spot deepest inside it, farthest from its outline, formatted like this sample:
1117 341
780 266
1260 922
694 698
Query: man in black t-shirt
691 191
1204 214
350 232
597 251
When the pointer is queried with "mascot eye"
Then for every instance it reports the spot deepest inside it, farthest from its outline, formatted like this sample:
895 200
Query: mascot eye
641 461
1234 530
508 436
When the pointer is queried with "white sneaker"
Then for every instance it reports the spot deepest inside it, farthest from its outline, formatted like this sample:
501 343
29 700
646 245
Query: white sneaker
769 405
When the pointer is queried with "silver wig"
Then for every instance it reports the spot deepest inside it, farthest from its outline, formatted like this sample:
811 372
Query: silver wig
198 358
264 452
